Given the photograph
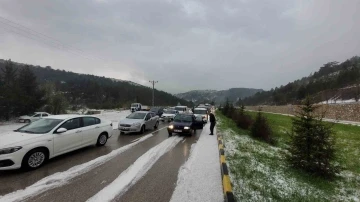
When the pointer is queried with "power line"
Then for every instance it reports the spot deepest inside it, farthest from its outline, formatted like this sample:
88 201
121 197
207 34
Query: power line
43 37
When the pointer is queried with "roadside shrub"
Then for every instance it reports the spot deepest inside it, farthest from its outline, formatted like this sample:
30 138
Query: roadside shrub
260 129
244 121
312 144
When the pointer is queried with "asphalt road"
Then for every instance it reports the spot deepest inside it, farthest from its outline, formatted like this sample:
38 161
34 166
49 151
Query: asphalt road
157 184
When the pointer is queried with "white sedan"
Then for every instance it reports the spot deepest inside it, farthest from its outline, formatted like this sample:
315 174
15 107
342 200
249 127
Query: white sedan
33 117
31 145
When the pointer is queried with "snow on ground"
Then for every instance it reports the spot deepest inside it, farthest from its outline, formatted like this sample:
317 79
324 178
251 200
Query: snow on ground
8 127
199 179
114 116
136 171
61 178
337 101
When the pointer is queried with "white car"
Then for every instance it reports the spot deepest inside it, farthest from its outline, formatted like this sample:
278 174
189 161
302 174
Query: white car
201 112
169 115
33 117
31 145
139 122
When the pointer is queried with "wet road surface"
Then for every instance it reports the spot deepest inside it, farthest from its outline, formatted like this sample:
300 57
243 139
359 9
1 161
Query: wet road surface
157 184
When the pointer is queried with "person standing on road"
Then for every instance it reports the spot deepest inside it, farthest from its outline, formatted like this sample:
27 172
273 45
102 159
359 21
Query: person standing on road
212 123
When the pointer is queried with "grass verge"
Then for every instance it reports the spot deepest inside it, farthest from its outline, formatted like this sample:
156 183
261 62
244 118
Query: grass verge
259 171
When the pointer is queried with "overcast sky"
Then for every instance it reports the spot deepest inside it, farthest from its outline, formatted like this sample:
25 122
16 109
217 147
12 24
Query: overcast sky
184 44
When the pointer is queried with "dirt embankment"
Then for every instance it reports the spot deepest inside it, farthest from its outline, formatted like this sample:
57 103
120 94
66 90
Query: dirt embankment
346 112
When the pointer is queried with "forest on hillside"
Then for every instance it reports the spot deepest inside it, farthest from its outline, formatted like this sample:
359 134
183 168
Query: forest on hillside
26 88
334 80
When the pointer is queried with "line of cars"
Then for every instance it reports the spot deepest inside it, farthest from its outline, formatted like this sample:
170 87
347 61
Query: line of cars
47 136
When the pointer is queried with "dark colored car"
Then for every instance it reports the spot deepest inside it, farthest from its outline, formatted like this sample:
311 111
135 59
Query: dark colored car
185 124
157 110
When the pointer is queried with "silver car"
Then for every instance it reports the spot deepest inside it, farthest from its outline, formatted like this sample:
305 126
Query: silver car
139 122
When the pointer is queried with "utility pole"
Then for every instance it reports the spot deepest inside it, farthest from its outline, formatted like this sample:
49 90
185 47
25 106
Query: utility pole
153 96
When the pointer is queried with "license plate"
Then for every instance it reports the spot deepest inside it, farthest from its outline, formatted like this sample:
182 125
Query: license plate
125 129
177 131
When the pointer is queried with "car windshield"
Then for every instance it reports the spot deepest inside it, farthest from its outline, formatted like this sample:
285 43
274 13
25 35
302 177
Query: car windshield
154 109
170 112
39 127
136 116
134 105
199 111
180 108
183 118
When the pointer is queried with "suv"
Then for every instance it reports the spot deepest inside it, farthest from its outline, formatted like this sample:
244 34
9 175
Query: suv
157 110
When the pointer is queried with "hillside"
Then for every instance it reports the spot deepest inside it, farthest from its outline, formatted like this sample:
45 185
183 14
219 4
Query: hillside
207 96
334 83
98 92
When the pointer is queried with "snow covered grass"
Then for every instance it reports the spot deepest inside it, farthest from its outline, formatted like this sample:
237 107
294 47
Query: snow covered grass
259 171
199 179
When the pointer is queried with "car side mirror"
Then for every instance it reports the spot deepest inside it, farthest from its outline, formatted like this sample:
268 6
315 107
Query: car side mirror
61 130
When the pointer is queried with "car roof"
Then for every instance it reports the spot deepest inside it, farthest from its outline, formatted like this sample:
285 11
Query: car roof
67 116
200 108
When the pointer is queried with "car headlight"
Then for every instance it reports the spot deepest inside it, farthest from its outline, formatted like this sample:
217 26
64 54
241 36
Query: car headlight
171 127
9 150
186 128
136 124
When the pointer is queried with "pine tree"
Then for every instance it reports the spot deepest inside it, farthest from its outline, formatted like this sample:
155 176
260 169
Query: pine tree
226 107
9 91
31 97
312 143
260 129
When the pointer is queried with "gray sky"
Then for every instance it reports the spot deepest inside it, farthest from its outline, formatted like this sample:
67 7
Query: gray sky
184 44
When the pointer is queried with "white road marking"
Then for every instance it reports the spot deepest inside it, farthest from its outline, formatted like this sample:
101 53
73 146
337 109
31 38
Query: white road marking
135 172
183 141
62 178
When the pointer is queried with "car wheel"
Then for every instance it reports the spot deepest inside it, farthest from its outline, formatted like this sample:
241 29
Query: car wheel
156 125
102 139
142 131
170 134
34 159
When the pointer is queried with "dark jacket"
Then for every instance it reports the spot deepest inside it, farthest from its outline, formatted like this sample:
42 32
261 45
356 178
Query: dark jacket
212 118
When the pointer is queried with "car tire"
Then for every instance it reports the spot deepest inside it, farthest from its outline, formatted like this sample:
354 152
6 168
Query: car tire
34 159
170 134
156 125
102 139
142 131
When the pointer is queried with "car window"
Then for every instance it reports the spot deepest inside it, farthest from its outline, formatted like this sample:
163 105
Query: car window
37 115
97 121
89 121
148 116
44 115
71 124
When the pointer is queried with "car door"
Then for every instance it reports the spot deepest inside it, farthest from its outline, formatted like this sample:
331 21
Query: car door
69 140
90 130
153 119
197 122
148 121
